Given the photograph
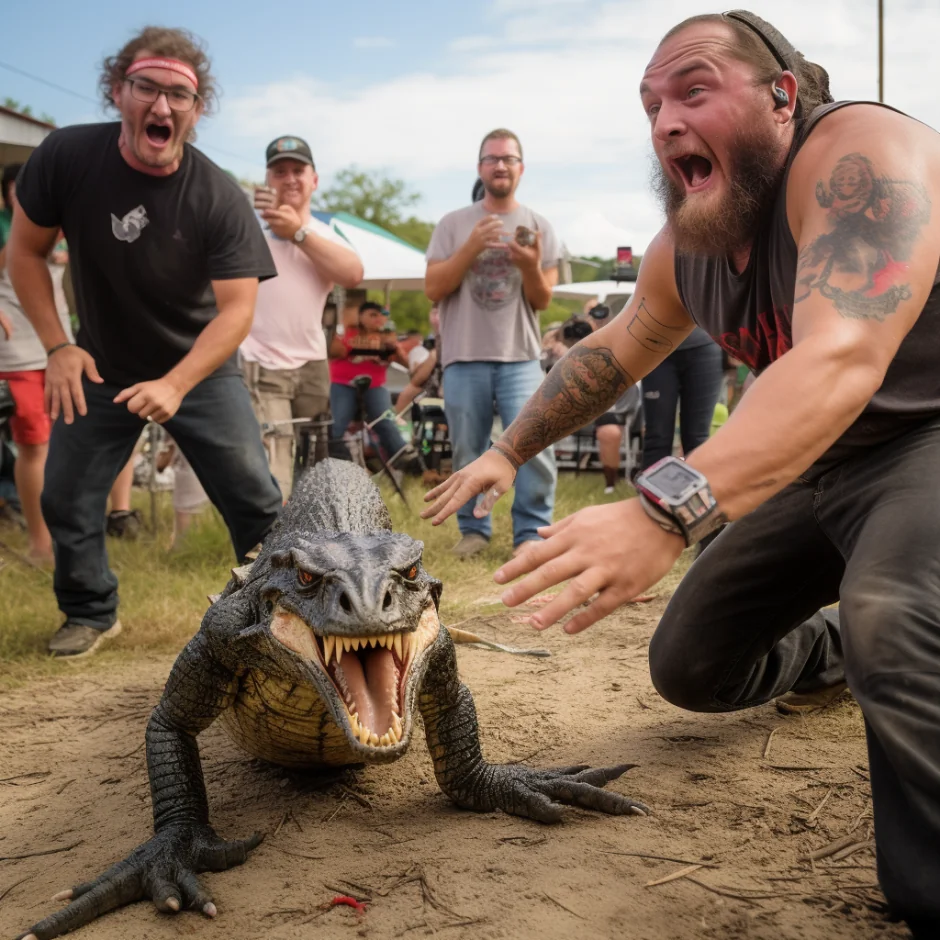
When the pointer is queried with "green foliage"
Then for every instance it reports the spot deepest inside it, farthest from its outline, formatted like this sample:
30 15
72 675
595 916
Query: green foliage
414 231
374 198
587 272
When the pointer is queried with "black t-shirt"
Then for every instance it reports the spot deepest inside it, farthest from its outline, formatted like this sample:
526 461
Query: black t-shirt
142 249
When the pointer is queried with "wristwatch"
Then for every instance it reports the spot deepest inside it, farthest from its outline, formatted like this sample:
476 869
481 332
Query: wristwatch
301 234
679 499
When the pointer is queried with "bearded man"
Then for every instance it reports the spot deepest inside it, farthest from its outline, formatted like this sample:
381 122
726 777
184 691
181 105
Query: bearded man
489 285
166 256
803 235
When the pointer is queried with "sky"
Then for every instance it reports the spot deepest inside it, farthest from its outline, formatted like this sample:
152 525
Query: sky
409 88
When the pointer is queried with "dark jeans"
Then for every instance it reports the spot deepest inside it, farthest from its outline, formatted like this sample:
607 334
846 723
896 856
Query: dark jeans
745 626
690 378
343 401
215 429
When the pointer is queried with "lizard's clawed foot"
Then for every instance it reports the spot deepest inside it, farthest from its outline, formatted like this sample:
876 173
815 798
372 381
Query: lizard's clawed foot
163 869
543 794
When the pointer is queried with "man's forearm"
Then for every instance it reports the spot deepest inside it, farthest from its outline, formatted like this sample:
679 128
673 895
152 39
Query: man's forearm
214 345
334 262
791 416
32 282
580 388
537 289
444 277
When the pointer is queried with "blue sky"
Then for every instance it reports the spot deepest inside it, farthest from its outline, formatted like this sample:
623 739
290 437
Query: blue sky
410 87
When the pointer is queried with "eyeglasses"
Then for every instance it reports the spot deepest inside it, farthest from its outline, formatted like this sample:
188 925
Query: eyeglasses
179 99
495 161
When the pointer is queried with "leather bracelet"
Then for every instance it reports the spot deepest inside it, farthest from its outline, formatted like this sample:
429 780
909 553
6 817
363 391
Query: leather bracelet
508 453
56 348
665 522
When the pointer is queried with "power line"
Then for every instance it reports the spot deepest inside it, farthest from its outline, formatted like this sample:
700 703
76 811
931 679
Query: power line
76 94
44 81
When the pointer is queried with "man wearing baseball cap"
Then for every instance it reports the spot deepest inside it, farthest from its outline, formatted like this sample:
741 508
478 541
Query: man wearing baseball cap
285 354
166 256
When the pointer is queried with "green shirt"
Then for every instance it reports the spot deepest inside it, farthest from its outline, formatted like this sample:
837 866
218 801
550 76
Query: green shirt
6 220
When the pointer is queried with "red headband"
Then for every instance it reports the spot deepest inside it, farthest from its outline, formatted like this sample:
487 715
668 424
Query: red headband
174 65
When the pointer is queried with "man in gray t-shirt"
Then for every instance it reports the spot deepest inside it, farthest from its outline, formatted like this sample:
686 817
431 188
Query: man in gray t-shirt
491 268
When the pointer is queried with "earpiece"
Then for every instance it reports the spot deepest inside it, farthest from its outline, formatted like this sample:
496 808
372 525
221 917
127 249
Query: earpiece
781 98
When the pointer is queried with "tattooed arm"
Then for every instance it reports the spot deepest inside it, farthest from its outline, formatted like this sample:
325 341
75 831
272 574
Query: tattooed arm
864 206
583 385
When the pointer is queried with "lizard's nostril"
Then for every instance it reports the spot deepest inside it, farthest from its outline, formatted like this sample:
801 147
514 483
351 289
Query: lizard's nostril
345 603
388 600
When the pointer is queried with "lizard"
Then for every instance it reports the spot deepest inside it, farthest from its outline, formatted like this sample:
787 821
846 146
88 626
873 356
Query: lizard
320 655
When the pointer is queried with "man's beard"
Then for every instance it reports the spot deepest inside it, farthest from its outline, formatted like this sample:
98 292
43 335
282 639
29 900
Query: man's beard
499 188
703 226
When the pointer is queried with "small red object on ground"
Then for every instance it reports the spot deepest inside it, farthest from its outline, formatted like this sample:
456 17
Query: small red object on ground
358 906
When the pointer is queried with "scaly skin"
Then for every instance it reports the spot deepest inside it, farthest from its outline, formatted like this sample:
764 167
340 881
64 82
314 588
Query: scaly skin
264 658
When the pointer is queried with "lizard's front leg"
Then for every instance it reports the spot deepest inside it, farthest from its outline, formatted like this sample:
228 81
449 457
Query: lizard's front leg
164 868
453 737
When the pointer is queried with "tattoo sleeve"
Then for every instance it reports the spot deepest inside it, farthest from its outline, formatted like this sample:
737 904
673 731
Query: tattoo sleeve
861 264
582 386
651 334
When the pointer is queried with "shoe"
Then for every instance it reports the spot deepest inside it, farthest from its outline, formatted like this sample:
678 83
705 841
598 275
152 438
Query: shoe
608 490
470 544
75 640
124 524
804 703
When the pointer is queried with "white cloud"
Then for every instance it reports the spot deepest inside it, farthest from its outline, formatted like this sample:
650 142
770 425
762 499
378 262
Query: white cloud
564 75
373 42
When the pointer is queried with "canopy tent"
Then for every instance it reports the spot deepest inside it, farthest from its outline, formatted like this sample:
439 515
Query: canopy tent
20 134
614 293
389 263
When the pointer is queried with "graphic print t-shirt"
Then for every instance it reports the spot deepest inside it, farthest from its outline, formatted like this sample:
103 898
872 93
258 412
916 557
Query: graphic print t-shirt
143 249
488 318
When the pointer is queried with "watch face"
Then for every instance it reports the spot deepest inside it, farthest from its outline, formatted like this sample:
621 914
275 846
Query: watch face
673 479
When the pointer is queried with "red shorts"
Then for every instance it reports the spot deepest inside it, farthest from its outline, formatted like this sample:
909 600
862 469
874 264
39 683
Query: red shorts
30 424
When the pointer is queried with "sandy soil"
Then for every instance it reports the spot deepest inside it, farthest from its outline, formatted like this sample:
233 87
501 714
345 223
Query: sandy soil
74 784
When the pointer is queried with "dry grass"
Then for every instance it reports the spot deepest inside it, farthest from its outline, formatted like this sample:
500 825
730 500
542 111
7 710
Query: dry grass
163 594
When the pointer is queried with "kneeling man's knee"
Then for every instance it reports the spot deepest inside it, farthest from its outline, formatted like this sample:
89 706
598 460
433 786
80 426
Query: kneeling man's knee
678 675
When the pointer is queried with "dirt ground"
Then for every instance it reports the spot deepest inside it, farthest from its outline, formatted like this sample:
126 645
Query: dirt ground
748 796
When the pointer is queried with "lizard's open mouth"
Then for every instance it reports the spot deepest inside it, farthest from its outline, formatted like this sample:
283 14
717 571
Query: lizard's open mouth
368 672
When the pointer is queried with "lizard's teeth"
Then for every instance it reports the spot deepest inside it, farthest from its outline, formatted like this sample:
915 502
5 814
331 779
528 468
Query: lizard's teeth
339 650
396 642
373 641
328 642
385 740
373 739
364 734
354 642
354 724
396 726
408 642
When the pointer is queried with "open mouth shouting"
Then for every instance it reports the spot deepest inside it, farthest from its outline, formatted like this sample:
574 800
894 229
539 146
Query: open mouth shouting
694 170
370 674
158 134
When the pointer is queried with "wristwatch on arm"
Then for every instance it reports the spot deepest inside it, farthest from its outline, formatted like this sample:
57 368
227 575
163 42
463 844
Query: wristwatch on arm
679 499
301 234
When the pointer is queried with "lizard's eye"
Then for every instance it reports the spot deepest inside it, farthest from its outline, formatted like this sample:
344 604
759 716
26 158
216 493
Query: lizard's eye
305 578
411 573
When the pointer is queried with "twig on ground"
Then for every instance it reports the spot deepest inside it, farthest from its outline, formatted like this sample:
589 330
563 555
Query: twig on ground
361 893
662 858
277 828
339 806
794 767
852 849
64 785
725 893
675 876
641 703
361 800
562 906
770 739
314 858
64 848
814 815
35 775
830 849
6 891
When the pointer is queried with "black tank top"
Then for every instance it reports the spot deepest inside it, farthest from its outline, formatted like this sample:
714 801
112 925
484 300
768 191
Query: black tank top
749 315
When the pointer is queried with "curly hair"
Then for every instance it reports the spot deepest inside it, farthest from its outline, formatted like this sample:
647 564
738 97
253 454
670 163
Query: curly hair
812 79
161 41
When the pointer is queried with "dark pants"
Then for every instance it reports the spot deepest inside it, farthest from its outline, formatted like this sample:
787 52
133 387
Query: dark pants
377 399
215 429
691 379
744 626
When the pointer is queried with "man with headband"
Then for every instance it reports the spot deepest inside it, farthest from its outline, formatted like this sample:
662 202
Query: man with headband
166 255
803 236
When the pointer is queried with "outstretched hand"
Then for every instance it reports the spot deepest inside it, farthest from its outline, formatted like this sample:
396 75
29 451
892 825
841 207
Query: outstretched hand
614 551
492 473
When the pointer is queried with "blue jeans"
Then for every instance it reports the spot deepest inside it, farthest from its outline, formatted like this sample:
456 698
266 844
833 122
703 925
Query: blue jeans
377 401
692 378
470 388
215 429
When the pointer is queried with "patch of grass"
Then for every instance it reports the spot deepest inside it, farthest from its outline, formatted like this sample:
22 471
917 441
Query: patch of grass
163 593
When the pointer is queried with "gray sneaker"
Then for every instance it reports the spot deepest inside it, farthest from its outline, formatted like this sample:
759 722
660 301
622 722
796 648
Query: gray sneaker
470 544
804 703
75 640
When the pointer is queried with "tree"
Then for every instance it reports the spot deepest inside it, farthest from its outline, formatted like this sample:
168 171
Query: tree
375 199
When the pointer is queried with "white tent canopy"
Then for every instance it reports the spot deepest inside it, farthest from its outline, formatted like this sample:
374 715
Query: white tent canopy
388 262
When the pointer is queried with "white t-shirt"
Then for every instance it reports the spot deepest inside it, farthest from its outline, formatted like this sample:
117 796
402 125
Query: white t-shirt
287 330
417 355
